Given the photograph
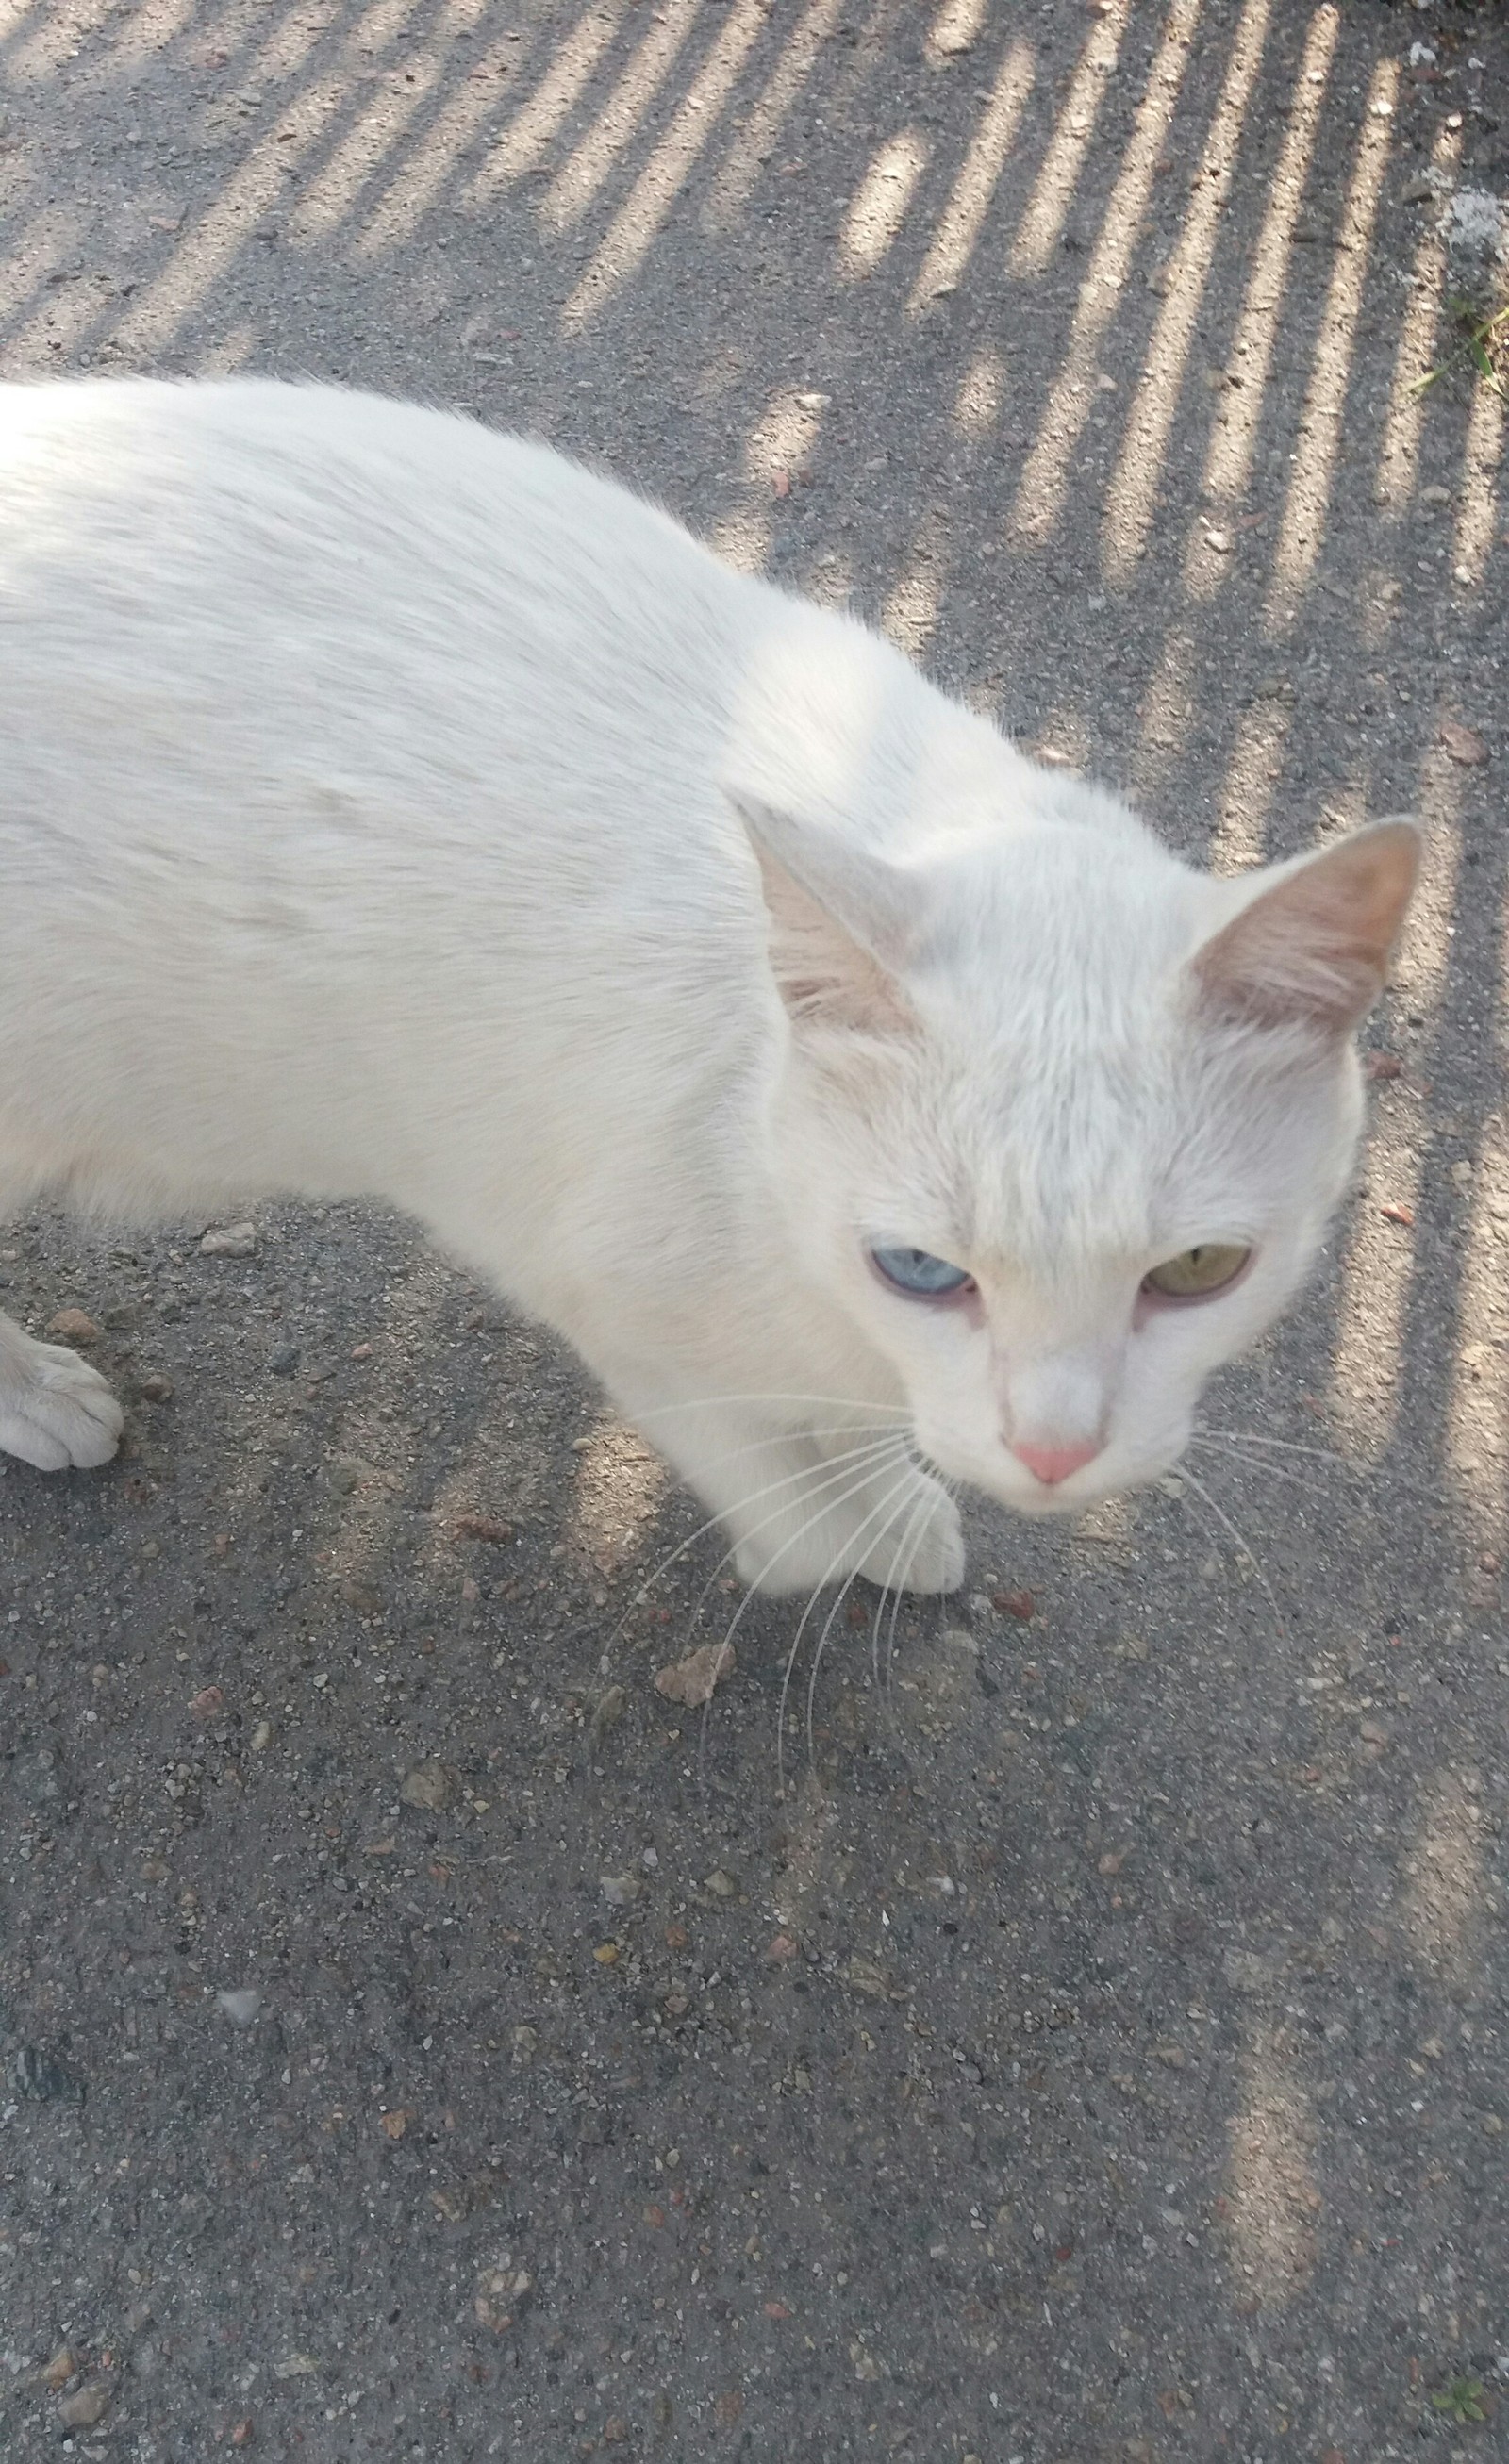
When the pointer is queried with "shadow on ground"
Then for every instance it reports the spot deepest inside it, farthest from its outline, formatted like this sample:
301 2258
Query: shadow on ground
1094 2048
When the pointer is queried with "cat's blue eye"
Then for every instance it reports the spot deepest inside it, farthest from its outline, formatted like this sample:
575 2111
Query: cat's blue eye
921 1275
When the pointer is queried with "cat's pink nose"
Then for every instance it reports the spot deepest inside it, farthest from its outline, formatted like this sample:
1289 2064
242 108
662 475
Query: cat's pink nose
1053 1463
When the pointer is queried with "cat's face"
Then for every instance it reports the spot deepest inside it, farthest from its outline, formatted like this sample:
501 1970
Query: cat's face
1063 1135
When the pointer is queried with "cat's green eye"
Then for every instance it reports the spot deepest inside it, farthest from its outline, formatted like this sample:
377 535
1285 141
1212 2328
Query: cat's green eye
1198 1272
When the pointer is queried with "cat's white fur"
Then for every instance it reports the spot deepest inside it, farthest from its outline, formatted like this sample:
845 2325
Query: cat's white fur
388 807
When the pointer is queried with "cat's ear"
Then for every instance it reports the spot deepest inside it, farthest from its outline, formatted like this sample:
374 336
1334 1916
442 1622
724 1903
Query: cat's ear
1310 946
842 921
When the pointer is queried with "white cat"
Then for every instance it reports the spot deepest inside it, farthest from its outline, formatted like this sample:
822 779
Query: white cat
388 807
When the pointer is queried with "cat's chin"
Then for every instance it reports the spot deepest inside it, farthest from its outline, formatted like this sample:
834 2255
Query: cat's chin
1053 1504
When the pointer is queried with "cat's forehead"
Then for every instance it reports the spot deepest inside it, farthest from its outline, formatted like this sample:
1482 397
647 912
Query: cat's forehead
1087 927
1121 1126
1068 1101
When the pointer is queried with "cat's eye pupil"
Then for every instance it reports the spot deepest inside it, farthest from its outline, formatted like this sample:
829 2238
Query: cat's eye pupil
919 1274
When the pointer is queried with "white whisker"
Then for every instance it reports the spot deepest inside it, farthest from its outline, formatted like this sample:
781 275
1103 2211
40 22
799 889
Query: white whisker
909 1546
885 1509
789 1480
1282 1445
1242 1542
820 1476
845 1588
855 1489
952 1489
716 1402
1233 1456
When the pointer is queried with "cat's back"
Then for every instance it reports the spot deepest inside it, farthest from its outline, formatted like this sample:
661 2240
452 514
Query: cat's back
348 574
339 645
351 749
283 472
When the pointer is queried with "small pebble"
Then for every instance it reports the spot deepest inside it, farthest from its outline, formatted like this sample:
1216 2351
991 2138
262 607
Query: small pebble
229 1240
621 1890
430 1787
482 1526
241 2006
38 2076
155 1388
58 2373
1462 745
261 1736
691 1680
72 1325
498 2293
86 2406
721 1885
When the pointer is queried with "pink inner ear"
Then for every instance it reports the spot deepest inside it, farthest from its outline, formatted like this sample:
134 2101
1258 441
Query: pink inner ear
821 972
1313 947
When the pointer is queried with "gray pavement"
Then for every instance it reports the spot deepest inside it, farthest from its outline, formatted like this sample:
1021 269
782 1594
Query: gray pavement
1096 2049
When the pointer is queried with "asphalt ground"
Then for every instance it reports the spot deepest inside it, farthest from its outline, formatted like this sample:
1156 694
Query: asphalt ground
1078 2030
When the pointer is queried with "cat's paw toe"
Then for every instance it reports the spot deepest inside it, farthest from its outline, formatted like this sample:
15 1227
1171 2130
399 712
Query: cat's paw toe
930 1561
63 1418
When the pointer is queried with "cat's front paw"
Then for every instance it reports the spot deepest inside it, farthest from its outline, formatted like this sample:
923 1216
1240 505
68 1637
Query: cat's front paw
58 1414
930 1560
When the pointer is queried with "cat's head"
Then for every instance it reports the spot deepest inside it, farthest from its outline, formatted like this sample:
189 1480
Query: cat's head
1060 1121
